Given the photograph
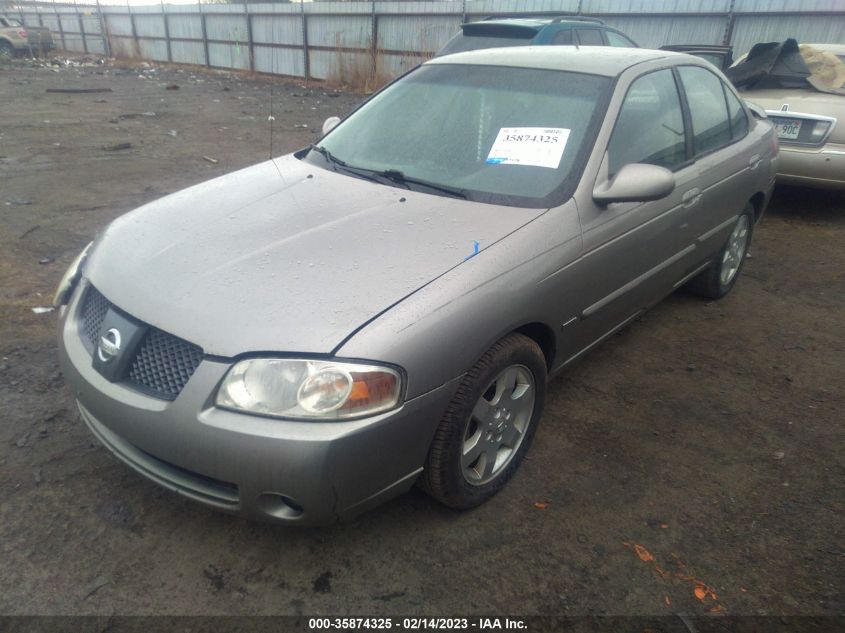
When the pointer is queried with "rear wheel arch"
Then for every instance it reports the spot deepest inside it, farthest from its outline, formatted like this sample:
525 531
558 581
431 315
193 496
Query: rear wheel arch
757 201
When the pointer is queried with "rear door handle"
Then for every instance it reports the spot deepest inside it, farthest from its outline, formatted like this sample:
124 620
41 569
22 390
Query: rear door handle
754 162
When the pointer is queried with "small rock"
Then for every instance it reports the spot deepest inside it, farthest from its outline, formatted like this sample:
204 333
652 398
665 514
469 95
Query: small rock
779 455
691 367
22 441
36 475
117 147
171 87
46 260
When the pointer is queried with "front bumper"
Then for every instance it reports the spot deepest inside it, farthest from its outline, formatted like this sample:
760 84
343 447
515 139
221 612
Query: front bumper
262 468
822 167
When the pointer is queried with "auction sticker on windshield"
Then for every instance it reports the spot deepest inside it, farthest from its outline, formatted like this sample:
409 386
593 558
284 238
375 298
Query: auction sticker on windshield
535 146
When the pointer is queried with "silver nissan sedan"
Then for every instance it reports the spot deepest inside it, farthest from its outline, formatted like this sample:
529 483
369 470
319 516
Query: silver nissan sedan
306 338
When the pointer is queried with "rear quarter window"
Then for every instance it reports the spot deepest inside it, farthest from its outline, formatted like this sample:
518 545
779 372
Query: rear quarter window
739 120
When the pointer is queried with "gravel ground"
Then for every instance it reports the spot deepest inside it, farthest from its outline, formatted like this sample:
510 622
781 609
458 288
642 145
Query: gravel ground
692 464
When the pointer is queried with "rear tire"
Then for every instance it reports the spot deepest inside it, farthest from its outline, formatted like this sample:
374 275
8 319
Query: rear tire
718 279
7 51
488 427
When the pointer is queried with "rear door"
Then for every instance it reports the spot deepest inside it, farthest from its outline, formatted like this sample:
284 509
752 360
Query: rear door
728 158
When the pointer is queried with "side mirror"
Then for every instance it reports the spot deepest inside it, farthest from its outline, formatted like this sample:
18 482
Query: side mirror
636 182
756 110
330 123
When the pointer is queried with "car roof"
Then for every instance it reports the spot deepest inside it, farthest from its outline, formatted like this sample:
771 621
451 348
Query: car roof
609 61
539 22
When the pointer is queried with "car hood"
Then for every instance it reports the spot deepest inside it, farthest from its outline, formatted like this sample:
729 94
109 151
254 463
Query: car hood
285 256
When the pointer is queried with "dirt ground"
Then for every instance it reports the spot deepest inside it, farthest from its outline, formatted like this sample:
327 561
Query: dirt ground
692 464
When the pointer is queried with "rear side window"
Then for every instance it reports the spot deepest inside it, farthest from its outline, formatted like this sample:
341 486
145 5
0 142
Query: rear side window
650 127
563 37
615 39
461 43
711 128
590 37
739 120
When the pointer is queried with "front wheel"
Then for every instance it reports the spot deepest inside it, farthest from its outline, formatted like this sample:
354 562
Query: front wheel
488 426
721 275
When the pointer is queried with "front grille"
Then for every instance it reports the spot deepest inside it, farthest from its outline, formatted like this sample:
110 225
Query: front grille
162 364
94 310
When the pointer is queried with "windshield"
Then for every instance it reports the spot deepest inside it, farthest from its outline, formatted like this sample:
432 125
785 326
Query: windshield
512 136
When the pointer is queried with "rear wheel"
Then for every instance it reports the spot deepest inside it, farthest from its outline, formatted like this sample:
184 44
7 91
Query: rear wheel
488 426
721 275
7 51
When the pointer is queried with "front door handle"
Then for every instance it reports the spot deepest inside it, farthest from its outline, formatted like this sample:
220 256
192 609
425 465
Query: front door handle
691 197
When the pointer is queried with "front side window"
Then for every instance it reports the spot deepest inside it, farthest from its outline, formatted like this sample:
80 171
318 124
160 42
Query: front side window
590 37
650 126
616 39
517 136
711 127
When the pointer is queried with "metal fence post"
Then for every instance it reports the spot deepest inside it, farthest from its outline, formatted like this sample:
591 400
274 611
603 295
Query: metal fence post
61 28
729 27
374 39
166 32
204 36
103 30
81 27
134 31
306 61
250 46
463 11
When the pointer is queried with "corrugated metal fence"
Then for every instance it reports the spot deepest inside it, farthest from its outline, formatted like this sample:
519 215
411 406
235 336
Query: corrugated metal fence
316 40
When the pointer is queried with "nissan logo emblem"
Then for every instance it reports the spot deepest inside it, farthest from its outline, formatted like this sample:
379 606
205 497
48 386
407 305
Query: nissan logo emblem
109 346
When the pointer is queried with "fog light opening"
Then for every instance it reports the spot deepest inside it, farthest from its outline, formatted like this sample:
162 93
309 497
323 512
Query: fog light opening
280 506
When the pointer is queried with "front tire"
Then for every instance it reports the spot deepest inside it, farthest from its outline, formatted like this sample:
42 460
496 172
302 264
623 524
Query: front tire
488 427
718 279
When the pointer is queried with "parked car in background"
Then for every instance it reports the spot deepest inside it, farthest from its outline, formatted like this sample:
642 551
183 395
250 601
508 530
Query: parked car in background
535 30
16 38
807 107
720 56
308 337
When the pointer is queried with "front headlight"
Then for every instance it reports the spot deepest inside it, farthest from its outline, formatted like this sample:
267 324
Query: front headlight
312 389
70 278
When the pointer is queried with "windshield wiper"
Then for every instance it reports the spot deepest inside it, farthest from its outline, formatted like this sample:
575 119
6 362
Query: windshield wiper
327 155
360 172
394 175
